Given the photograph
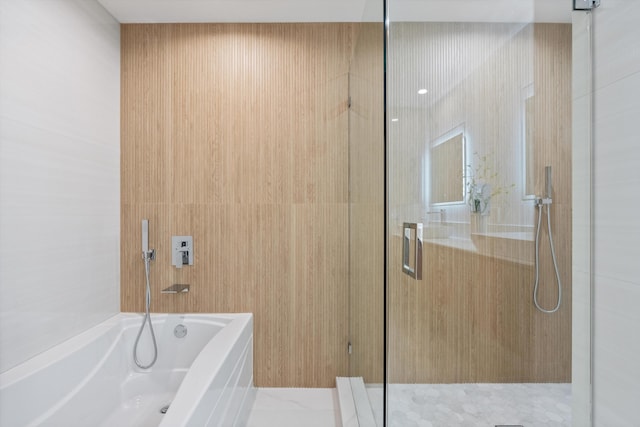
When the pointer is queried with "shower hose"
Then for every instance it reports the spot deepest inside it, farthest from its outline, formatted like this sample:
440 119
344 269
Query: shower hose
553 256
147 318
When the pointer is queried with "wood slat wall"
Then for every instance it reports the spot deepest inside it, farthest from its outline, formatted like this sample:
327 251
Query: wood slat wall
552 147
237 134
366 221
472 318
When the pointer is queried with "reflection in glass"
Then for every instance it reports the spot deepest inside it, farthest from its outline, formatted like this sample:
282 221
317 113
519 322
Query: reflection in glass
470 328
528 138
447 168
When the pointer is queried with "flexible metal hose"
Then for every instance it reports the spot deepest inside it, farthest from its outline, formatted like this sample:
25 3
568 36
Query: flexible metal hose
147 318
553 256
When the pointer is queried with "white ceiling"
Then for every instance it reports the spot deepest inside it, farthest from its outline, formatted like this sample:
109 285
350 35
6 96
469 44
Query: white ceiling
481 10
130 11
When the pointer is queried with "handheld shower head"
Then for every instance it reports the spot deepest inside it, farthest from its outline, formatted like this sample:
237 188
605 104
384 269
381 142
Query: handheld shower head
145 235
547 182
146 253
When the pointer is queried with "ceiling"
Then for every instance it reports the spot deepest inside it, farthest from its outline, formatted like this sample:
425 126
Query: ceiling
150 11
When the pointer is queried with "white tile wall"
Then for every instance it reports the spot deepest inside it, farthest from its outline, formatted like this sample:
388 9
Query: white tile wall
617 225
59 172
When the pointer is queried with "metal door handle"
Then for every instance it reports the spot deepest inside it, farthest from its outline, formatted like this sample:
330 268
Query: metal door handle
416 271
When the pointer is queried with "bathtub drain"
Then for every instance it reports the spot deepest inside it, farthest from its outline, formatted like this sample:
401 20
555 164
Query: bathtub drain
164 409
180 331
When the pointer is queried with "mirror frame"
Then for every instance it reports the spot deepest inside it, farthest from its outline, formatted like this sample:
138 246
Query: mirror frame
443 139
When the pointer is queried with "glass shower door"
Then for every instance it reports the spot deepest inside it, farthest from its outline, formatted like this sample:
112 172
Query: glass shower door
479 143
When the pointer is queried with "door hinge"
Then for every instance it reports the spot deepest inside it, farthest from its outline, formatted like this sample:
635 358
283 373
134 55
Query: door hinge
585 4
349 348
349 102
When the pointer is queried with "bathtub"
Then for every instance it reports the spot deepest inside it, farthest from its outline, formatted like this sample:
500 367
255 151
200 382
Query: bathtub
91 380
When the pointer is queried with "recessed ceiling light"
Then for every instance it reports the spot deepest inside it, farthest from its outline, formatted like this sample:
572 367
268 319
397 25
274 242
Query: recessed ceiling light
422 91
394 120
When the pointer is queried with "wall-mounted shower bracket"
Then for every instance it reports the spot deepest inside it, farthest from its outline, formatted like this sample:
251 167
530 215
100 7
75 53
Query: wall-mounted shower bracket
543 201
150 255
585 4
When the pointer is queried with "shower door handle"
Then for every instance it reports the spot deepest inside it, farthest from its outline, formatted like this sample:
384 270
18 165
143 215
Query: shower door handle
416 270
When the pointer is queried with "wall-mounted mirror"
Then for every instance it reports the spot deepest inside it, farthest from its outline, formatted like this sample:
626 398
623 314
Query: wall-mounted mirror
447 180
528 141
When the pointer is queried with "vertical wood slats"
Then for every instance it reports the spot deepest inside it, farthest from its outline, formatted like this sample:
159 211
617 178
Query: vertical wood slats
237 135
366 210
207 158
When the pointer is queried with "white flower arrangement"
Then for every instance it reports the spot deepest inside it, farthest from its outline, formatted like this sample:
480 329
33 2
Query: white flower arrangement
482 185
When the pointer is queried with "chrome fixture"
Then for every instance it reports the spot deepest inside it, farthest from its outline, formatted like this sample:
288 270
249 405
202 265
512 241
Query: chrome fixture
547 182
175 289
585 4
147 256
416 270
541 202
440 212
182 247
180 331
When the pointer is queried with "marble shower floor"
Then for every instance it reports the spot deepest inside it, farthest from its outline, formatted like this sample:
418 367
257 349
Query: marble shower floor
481 405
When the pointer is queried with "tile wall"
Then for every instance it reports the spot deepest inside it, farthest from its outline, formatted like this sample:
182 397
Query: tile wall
59 173
616 228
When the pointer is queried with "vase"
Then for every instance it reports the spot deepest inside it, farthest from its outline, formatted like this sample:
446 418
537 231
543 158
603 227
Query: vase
478 223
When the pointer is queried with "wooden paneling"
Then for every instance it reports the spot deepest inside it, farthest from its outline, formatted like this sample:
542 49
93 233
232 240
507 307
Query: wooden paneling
237 134
552 146
472 318
366 196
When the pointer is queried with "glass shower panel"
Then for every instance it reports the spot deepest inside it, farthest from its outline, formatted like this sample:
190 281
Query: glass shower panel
479 153
366 210
582 152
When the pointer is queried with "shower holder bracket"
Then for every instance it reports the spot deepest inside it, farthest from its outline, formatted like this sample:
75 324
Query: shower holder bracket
585 4
150 255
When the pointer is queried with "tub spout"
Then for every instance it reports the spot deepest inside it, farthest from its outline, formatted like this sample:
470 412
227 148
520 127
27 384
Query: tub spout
175 289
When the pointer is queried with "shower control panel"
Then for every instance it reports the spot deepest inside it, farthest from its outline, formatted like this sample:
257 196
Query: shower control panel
181 250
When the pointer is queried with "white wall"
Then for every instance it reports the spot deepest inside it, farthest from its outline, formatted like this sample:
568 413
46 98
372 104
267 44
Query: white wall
617 213
59 172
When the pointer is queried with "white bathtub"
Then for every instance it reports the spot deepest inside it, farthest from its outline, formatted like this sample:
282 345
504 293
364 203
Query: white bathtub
91 379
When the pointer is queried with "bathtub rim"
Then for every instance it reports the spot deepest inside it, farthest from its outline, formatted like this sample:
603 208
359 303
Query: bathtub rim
56 353
51 356
194 386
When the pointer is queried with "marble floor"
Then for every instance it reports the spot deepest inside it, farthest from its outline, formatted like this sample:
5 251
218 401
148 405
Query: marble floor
486 405
422 405
295 407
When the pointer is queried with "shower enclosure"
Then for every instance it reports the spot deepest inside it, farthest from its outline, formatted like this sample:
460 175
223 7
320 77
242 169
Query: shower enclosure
480 169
